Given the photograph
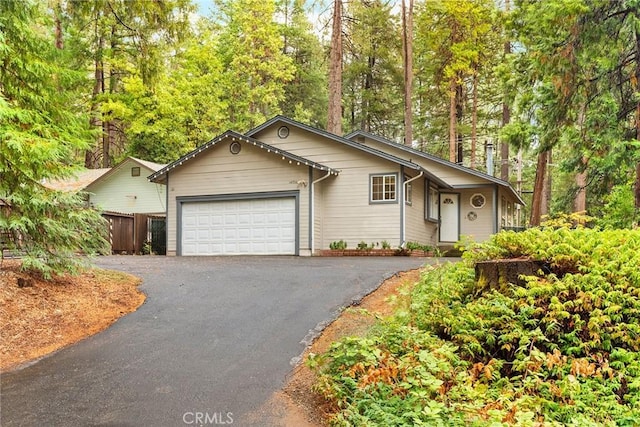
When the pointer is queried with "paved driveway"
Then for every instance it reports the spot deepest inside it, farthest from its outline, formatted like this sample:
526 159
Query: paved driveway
216 336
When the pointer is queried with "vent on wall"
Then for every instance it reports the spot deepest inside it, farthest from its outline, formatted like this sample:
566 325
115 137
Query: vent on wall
283 132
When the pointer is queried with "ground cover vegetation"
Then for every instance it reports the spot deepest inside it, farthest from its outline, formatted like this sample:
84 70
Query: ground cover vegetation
40 316
562 349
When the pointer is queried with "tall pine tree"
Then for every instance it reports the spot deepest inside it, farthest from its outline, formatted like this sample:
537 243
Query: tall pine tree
42 128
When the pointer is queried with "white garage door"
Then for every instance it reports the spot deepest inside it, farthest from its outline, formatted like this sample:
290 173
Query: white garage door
239 227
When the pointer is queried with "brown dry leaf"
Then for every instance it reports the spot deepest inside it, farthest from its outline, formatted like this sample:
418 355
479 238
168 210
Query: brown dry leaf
43 317
309 408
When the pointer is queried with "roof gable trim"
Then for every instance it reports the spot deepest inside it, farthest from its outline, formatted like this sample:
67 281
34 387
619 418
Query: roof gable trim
153 167
436 159
336 138
234 136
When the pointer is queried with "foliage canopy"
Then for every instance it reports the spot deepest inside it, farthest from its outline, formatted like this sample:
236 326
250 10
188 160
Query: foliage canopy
41 129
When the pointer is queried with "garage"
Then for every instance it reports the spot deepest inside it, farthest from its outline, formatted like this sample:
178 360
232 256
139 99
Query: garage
260 226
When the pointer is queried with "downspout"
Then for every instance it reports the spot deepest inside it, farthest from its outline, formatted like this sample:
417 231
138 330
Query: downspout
404 210
313 205
496 219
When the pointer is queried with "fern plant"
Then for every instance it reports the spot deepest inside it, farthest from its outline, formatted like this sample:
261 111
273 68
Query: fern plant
562 349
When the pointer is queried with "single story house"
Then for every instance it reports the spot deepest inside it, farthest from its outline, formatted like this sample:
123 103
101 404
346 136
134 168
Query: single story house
133 206
287 188
125 188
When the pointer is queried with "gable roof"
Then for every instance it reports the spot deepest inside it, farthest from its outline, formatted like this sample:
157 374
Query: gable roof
78 181
438 160
151 166
348 142
158 175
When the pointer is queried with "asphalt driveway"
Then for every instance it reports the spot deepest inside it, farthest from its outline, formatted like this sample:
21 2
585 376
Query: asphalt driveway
215 337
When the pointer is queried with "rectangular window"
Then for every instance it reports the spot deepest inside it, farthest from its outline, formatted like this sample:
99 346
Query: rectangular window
408 197
383 188
135 171
503 213
433 213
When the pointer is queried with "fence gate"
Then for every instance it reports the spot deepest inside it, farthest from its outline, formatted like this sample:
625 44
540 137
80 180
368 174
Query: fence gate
121 232
158 231
130 233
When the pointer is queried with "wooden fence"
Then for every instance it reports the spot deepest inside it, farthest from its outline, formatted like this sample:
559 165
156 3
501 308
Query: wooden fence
129 233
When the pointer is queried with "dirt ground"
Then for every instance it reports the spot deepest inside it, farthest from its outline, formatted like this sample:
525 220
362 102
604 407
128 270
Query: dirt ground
297 405
38 317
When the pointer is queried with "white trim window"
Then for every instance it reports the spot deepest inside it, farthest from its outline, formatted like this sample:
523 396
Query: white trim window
383 188
433 206
408 197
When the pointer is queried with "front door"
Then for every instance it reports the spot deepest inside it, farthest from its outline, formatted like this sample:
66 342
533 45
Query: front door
449 217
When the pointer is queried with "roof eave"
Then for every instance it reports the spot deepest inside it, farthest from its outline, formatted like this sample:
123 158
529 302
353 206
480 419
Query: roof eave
157 176
439 160
340 139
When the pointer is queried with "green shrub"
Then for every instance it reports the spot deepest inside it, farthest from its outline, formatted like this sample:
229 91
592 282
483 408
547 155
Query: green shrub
563 349
364 246
415 246
619 209
338 245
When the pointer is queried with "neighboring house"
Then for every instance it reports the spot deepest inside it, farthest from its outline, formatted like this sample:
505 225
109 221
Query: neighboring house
129 202
125 189
287 188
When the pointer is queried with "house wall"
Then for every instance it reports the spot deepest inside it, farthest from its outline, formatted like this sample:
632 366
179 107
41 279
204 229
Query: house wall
121 192
417 228
343 211
348 215
483 226
253 170
507 210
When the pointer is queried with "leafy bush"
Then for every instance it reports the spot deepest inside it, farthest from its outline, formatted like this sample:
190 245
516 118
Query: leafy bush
338 245
415 246
364 246
619 209
563 349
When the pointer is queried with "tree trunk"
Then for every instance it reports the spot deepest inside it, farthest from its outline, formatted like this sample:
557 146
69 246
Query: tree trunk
58 23
365 121
548 180
452 121
334 119
109 131
407 45
506 118
459 118
474 120
638 190
637 183
538 189
580 202
91 159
